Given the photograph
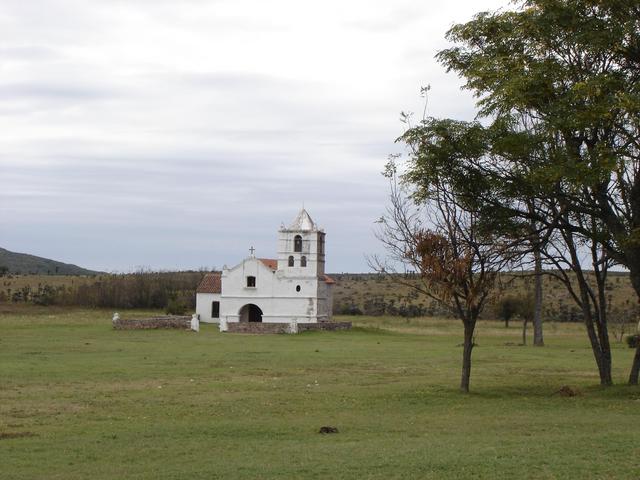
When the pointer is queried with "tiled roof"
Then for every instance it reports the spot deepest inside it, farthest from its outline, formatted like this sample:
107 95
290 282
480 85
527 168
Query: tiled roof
211 283
270 263
327 279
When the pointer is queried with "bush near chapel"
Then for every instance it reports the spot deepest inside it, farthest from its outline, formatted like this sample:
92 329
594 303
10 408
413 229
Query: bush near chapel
176 307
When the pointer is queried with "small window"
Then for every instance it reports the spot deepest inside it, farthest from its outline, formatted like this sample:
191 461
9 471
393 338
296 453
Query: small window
291 261
303 261
251 281
297 288
215 309
297 243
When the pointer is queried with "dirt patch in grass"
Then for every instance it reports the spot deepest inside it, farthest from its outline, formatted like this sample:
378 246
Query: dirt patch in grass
567 391
328 429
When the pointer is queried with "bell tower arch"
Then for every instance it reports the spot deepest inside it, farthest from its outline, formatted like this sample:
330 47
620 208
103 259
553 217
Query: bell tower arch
301 247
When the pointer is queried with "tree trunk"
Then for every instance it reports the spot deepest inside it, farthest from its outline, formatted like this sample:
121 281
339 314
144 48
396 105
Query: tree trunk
466 355
634 273
635 368
538 340
603 332
599 343
605 376
634 276
525 321
601 349
601 353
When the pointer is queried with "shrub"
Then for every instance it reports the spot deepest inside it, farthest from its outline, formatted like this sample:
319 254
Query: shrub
44 296
507 308
347 310
175 307
633 341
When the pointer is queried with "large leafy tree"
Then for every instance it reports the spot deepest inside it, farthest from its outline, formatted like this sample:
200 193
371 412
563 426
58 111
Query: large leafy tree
557 84
570 69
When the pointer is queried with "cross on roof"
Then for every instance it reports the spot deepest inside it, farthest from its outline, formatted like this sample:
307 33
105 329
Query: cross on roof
252 250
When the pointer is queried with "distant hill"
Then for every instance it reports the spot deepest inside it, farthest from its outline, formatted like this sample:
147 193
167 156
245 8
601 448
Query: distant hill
23 263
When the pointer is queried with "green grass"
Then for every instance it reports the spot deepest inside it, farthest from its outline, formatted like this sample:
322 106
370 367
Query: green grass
91 402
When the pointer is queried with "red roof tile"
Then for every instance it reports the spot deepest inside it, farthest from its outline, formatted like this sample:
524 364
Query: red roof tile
327 279
271 263
211 283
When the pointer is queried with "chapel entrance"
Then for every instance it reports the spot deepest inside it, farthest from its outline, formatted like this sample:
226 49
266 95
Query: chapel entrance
250 313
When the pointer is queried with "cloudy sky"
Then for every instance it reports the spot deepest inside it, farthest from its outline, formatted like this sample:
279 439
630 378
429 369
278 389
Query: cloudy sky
177 134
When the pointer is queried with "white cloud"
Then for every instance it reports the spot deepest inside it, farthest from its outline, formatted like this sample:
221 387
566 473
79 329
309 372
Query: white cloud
187 131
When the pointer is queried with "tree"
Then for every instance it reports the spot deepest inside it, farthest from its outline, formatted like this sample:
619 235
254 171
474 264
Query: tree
481 163
437 235
622 319
526 311
558 84
507 309
537 247
634 342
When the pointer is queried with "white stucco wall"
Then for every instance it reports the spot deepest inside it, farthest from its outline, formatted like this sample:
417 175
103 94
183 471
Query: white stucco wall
312 249
203 306
275 293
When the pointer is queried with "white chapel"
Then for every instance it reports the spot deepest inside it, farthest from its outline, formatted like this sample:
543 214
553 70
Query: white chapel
291 288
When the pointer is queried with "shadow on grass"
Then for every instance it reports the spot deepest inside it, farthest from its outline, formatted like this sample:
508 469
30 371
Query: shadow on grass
524 392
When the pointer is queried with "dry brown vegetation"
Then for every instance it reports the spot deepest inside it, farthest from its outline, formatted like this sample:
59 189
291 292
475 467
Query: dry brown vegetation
367 294
142 289
372 294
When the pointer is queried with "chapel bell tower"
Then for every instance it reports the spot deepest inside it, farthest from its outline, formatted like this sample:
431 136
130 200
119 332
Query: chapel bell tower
301 248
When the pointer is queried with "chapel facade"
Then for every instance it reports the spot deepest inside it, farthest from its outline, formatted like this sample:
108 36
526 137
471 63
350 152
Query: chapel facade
290 288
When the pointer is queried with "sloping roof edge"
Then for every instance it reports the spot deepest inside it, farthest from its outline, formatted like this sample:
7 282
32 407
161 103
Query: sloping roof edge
271 263
210 283
328 280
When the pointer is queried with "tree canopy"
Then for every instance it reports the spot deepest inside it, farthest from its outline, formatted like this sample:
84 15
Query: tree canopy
555 152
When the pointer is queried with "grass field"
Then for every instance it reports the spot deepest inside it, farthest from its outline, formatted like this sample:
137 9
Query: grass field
80 400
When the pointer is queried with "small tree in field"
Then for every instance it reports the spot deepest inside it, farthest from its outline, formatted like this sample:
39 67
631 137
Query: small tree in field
507 309
436 235
526 311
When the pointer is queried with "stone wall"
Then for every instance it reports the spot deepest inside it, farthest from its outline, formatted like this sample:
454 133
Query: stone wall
169 321
328 326
256 327
259 328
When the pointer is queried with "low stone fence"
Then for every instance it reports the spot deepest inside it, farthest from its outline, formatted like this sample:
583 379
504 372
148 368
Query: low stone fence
327 326
168 321
257 327
261 328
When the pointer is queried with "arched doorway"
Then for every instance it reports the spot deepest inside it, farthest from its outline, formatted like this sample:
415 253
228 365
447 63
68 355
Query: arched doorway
250 313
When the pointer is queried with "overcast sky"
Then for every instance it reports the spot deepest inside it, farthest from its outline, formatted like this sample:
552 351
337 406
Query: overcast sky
177 134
